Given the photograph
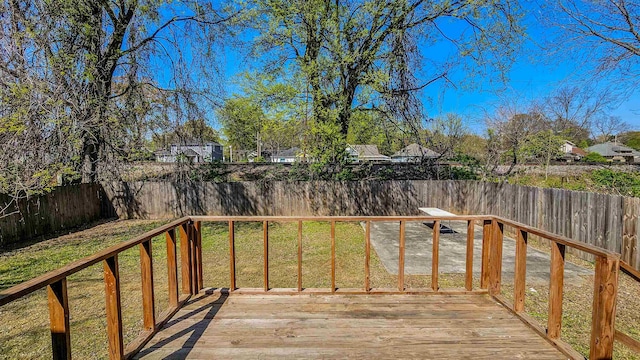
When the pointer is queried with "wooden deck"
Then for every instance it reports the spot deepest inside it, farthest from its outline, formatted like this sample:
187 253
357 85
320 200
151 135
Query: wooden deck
214 325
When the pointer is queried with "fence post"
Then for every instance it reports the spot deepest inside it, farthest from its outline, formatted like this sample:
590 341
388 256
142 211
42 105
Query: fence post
604 307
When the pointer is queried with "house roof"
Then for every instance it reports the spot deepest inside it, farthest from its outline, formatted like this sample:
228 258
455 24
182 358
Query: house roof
194 142
415 150
162 153
293 152
189 152
613 149
369 152
577 151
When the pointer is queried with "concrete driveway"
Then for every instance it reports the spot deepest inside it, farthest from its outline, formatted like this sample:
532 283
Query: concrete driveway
418 250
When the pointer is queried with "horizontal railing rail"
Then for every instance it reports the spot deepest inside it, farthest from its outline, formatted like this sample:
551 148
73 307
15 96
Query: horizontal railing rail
605 280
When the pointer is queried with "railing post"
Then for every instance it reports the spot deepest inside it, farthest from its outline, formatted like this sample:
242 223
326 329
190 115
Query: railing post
265 238
113 308
556 283
232 256
486 250
333 256
401 257
185 258
59 319
495 258
198 241
604 307
435 258
299 256
367 257
193 253
468 281
172 268
146 268
520 272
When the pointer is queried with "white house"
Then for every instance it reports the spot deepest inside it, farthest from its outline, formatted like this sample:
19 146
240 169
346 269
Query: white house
571 152
286 156
414 153
192 151
366 153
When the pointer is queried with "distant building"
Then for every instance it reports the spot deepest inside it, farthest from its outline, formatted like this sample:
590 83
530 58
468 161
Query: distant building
286 156
613 151
191 151
366 153
570 152
414 153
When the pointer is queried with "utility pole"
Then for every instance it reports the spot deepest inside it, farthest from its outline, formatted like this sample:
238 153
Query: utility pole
231 153
258 144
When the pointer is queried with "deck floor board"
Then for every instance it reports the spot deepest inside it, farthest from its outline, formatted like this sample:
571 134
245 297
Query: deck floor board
346 326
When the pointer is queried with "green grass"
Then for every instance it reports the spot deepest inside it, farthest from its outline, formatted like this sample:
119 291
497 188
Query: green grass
24 332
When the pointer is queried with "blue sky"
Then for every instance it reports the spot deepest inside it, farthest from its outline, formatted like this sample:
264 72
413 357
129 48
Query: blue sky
534 75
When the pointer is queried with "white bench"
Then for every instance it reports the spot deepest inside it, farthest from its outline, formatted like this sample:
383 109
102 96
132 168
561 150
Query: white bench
437 212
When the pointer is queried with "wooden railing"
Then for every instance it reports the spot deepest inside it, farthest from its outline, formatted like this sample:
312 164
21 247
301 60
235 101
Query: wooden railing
620 336
189 228
56 283
607 265
366 220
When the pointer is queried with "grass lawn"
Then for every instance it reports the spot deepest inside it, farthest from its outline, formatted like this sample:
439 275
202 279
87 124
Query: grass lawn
24 333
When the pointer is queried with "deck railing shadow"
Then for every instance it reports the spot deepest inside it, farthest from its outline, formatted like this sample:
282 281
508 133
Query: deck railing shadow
196 330
188 230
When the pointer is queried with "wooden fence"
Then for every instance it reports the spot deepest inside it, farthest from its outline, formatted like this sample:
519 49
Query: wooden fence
608 221
64 208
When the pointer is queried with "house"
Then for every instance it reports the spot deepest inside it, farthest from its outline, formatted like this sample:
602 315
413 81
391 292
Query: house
286 156
613 151
366 153
191 151
414 153
570 152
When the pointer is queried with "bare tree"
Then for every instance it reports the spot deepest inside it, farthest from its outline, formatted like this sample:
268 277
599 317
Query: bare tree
509 127
571 110
82 82
445 134
605 31
606 127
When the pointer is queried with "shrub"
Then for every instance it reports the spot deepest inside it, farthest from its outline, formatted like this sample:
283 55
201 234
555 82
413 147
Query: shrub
594 157
624 183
